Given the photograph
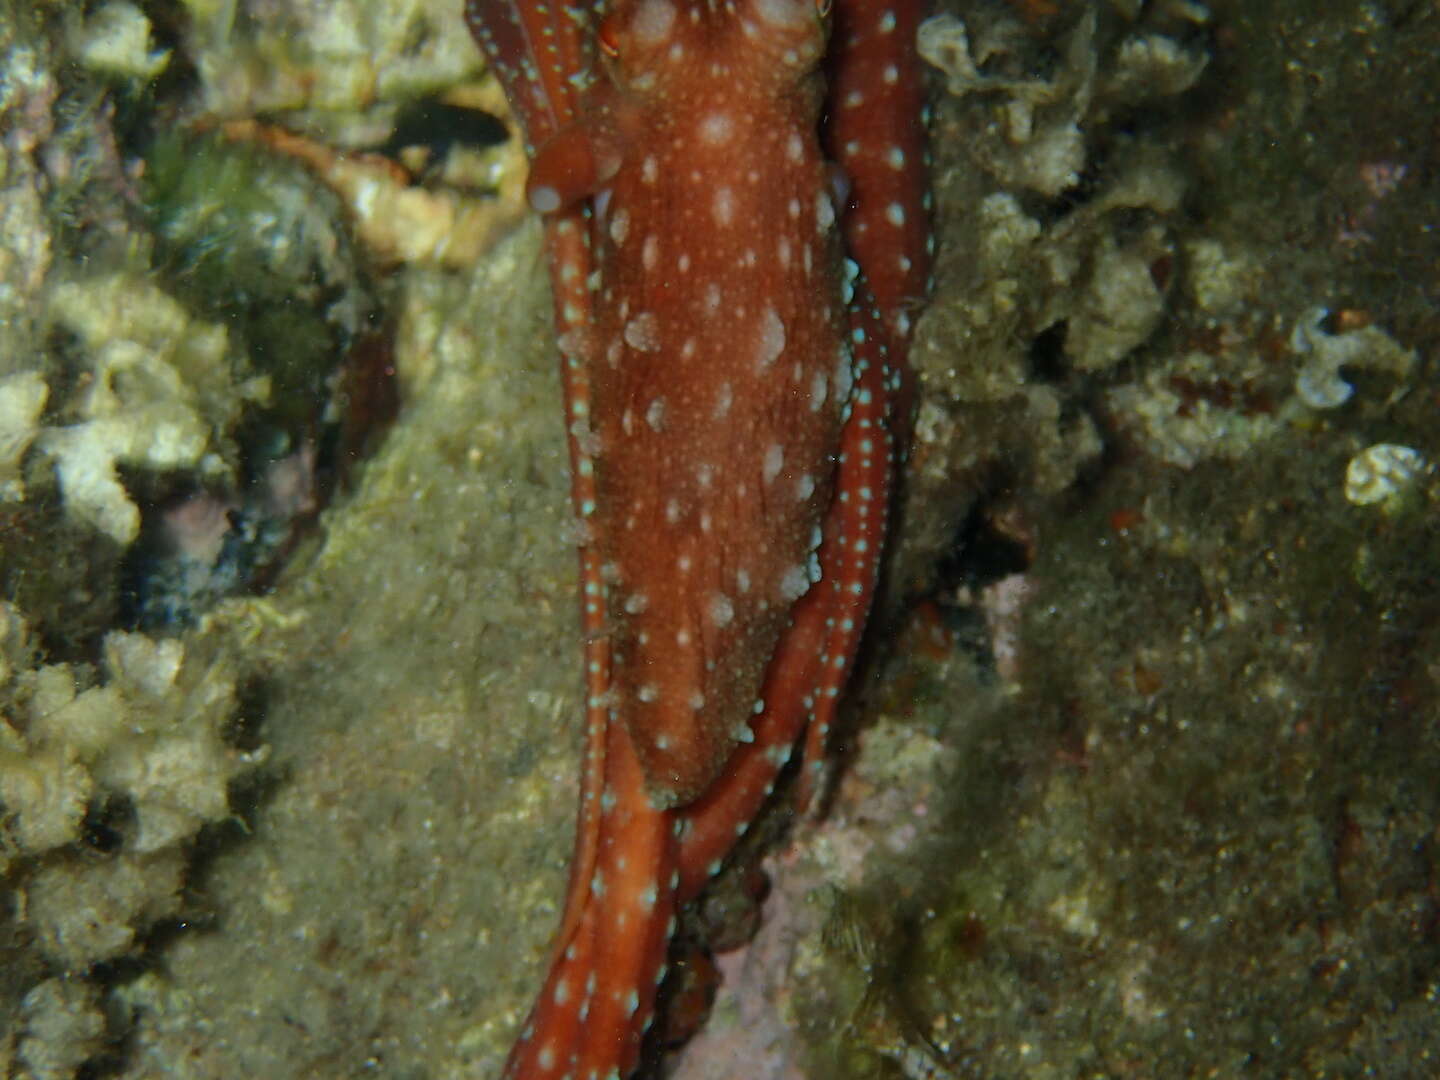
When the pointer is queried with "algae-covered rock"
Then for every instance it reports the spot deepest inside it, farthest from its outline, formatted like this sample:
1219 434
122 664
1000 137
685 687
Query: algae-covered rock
1059 235
84 913
62 1026
324 62
251 239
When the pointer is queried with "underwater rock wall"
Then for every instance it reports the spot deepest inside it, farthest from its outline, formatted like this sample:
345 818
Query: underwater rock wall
1141 774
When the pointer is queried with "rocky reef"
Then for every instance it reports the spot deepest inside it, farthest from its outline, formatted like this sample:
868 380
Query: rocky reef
1141 775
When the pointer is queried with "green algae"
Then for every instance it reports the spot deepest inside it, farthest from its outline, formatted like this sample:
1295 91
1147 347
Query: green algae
249 235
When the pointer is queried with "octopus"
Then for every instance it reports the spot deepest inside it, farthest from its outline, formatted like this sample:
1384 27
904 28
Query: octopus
735 208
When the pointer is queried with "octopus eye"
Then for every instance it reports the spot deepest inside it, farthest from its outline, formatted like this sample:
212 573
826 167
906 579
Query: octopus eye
609 36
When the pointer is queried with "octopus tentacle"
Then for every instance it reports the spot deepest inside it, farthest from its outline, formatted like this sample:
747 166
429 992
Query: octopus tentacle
538 82
599 994
542 55
875 129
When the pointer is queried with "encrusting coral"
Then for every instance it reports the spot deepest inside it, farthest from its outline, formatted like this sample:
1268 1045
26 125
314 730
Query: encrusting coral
161 390
148 734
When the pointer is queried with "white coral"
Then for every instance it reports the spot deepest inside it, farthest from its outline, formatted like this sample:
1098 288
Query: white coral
152 732
159 395
1318 382
22 397
1383 474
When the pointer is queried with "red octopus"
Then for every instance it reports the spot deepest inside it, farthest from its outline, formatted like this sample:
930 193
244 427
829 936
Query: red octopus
733 312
